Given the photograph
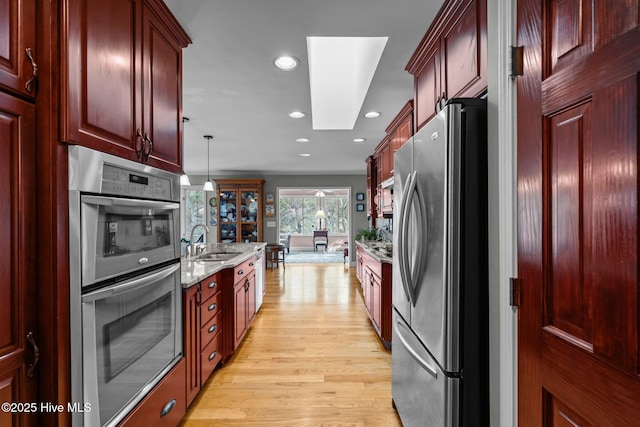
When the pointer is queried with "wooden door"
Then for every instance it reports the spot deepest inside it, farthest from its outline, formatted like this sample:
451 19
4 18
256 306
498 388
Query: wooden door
17 34
162 91
101 94
17 260
578 355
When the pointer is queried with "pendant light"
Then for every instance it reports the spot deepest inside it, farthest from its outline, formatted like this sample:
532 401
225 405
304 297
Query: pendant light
208 186
184 178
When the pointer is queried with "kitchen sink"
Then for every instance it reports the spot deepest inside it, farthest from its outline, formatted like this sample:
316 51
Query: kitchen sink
218 256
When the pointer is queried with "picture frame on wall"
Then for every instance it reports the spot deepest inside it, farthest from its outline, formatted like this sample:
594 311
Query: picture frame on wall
270 210
359 196
360 207
269 198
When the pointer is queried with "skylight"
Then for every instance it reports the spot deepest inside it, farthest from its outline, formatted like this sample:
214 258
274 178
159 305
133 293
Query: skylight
340 72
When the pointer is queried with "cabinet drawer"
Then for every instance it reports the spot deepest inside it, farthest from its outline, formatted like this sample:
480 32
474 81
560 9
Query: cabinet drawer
241 271
210 357
167 398
209 308
210 286
210 330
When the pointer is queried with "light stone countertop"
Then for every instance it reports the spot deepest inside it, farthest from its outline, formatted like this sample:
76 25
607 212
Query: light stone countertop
193 270
371 247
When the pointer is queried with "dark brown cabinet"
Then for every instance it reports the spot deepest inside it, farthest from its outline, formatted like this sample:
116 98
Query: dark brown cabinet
18 335
18 53
240 210
244 300
376 278
451 60
203 332
165 405
122 91
398 132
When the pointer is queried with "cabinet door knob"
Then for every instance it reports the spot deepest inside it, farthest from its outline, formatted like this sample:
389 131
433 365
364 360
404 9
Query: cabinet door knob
212 307
213 328
212 285
31 84
213 355
240 273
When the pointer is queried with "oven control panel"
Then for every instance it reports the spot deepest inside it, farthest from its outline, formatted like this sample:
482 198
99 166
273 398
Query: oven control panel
123 182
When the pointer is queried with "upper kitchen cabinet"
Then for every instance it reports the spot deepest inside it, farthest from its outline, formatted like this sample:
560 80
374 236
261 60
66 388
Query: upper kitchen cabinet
122 91
18 53
451 60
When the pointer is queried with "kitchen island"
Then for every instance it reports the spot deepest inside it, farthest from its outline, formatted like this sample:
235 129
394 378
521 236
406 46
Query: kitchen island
374 270
220 289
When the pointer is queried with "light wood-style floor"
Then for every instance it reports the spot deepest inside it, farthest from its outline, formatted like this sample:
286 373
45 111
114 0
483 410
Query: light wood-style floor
311 358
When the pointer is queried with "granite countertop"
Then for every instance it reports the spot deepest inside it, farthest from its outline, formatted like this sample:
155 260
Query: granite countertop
193 270
372 248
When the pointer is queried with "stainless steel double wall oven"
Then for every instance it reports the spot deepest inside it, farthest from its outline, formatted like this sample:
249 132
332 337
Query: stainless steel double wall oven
126 328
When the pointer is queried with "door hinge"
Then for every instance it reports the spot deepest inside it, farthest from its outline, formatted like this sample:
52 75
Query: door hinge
516 66
515 292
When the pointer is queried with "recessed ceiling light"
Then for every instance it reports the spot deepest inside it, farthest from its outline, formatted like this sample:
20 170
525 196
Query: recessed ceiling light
286 63
359 140
372 115
303 140
305 155
297 115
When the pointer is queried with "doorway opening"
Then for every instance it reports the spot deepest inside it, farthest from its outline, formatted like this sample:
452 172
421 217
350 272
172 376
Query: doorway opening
303 212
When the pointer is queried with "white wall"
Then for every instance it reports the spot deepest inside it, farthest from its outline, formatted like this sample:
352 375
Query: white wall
502 213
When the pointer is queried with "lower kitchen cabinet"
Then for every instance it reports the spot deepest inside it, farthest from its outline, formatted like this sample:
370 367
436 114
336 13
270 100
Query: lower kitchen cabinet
203 332
165 405
244 300
376 279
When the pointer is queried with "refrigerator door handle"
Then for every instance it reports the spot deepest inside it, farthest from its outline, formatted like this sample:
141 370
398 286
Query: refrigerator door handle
423 227
421 361
406 212
405 274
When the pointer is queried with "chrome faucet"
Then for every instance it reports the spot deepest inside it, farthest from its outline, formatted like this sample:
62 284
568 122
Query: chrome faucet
192 247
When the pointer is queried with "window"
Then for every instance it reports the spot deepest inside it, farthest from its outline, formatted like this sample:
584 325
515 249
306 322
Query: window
193 212
299 210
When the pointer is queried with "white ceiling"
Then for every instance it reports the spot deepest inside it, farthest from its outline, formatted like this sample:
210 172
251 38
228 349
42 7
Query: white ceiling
232 90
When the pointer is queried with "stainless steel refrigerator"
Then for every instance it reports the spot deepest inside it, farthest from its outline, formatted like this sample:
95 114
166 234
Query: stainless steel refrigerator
440 272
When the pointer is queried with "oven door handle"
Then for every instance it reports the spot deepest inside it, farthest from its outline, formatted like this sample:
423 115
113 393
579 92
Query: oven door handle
116 201
130 285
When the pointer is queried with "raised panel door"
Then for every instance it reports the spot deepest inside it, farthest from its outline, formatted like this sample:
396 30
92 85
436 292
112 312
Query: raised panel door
161 91
578 128
427 86
191 315
101 96
17 34
251 299
239 313
18 285
464 51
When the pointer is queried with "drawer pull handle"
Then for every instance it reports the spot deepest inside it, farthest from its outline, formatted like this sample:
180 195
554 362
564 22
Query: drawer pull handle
213 328
167 408
213 355
213 285
36 354
212 307
240 273
250 264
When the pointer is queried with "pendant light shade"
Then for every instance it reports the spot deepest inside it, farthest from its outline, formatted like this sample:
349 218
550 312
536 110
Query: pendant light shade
208 186
184 179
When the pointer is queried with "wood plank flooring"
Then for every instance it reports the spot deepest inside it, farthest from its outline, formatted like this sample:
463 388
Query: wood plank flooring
311 358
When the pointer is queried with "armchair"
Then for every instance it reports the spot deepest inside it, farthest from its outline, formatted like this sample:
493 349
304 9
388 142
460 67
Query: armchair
285 239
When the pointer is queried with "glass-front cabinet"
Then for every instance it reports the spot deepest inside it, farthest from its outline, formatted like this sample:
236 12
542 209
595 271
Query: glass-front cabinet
240 210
